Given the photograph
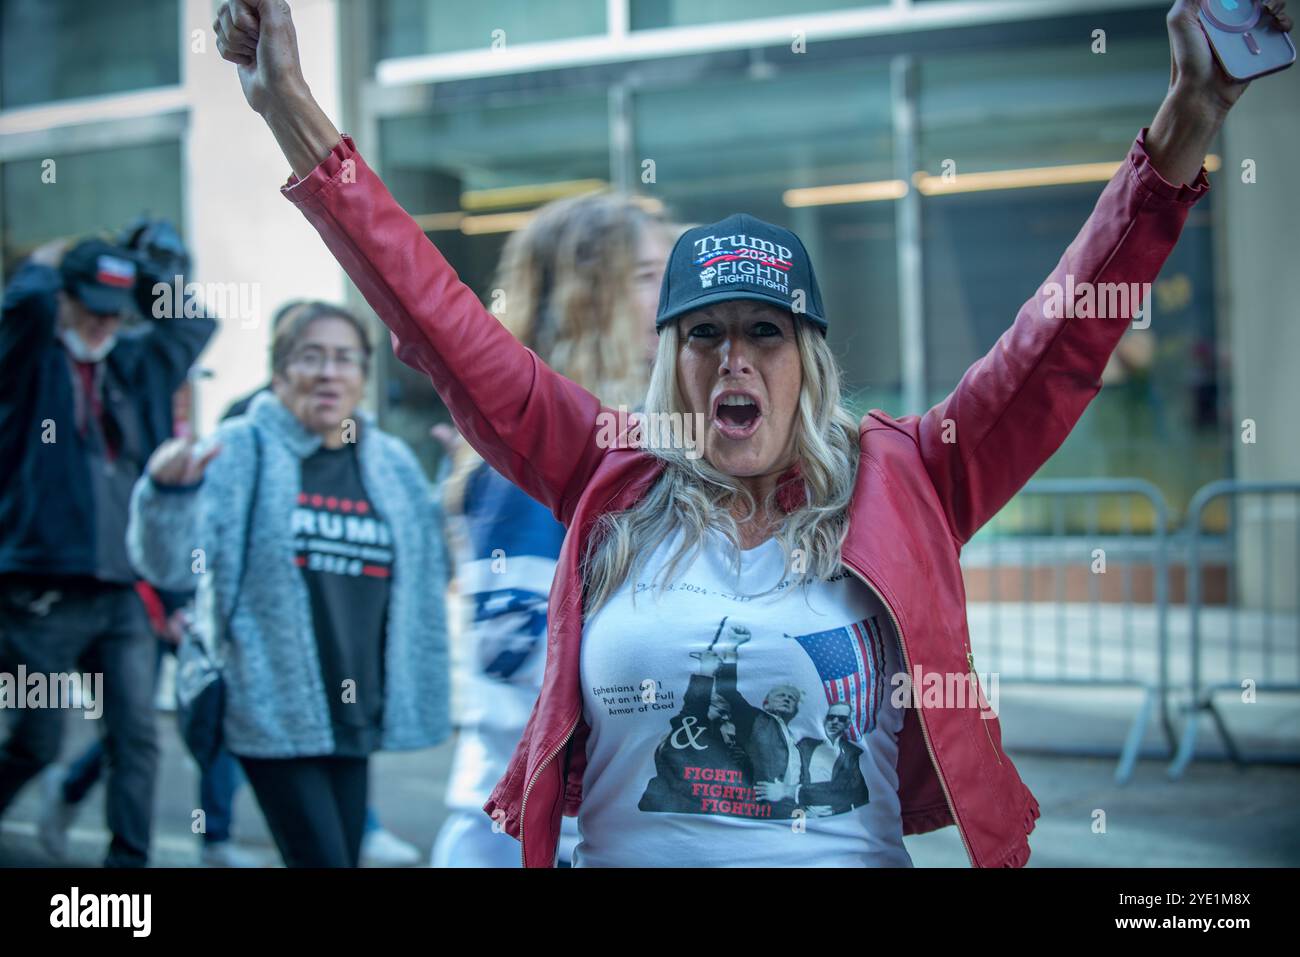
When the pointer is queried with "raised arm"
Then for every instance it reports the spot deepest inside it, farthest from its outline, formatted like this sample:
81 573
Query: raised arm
531 424
1015 406
743 714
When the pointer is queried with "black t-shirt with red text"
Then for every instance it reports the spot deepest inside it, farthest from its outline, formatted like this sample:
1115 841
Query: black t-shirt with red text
345 552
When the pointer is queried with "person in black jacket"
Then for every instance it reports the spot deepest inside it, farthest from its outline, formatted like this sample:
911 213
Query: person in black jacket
831 779
83 403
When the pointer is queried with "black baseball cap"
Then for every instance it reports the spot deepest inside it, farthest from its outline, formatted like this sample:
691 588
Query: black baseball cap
99 275
740 257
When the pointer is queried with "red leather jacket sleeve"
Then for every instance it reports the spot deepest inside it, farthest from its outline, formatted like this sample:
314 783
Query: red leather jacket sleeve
534 426
1014 407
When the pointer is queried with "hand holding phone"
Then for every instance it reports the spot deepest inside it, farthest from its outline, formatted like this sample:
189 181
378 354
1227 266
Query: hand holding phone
1246 38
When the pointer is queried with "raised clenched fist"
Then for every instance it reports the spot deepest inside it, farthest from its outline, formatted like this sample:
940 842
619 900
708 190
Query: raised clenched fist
258 36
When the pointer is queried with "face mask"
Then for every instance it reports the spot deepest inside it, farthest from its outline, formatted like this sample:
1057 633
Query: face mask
75 345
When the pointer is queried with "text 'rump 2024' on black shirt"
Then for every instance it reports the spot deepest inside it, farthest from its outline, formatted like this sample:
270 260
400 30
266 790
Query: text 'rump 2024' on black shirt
345 552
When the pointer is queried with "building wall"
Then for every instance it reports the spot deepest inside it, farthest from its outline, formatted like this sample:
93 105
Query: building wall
242 230
1259 254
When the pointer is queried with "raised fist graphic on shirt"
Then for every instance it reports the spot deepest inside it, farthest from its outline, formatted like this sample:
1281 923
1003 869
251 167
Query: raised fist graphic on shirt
729 642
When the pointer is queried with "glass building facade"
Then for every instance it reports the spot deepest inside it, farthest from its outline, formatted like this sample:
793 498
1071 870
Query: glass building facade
91 174
823 136
826 120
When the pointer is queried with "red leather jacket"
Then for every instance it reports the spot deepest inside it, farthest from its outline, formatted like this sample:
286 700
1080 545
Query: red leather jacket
918 498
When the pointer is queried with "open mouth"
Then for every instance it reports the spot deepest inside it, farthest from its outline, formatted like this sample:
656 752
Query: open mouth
736 414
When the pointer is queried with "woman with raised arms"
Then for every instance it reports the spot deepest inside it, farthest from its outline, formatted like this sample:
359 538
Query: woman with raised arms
722 629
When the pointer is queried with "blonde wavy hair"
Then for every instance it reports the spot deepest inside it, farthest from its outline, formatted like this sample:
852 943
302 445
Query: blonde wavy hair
564 284
693 497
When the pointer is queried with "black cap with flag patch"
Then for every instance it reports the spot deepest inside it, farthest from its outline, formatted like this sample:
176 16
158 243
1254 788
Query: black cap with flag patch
100 275
740 257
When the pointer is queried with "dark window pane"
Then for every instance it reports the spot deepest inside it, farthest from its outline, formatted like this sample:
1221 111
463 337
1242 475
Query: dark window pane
469 174
101 190
985 253
742 146
1044 107
414 27
59 49
654 14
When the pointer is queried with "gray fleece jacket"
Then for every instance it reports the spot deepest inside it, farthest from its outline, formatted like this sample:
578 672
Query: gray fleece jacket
276 705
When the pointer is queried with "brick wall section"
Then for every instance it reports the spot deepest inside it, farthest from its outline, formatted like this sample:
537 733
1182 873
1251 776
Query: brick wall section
1040 584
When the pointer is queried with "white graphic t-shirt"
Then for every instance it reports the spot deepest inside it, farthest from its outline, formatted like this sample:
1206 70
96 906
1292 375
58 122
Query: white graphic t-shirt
732 729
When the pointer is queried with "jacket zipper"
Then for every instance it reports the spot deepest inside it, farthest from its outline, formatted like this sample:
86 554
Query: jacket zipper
970 661
920 712
523 805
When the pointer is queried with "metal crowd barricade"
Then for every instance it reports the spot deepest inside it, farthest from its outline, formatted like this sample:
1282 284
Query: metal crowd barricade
1249 650
1130 648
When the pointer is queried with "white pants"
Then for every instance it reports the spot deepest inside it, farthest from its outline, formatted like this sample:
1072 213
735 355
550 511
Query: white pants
467 840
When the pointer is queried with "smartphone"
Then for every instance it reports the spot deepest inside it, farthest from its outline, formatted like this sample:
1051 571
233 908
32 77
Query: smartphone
1245 38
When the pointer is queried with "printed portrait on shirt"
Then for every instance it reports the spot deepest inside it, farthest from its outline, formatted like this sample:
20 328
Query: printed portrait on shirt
745 746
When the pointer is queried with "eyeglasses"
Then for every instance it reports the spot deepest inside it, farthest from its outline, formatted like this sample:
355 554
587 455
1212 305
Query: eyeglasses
312 360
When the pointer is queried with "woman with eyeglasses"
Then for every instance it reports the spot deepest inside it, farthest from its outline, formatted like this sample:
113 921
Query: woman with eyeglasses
315 543
793 558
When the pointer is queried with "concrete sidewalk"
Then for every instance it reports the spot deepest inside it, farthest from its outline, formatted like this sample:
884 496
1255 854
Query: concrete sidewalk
1216 815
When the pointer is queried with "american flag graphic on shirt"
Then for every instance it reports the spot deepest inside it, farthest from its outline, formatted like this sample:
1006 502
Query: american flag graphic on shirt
850 661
